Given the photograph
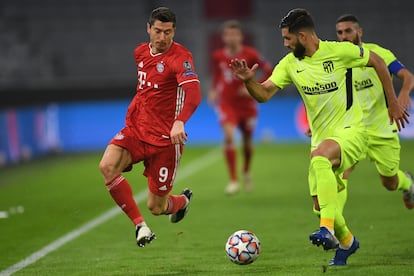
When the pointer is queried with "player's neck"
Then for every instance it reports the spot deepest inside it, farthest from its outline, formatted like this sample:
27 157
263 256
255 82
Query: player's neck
313 46
233 50
156 51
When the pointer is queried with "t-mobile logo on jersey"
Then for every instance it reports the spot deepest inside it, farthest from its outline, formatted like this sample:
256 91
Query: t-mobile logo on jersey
142 80
142 76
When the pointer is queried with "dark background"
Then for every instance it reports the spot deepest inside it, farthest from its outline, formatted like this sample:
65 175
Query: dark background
76 50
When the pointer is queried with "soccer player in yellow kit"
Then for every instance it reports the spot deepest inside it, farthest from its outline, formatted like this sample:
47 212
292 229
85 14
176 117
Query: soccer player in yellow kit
383 139
320 71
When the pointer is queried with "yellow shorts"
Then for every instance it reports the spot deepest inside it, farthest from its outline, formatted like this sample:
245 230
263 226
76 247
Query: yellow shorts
353 143
385 153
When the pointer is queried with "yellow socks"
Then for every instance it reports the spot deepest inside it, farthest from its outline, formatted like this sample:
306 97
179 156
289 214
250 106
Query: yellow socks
320 170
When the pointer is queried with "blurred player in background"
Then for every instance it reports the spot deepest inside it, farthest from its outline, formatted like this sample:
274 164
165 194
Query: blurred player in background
236 109
319 70
168 92
383 139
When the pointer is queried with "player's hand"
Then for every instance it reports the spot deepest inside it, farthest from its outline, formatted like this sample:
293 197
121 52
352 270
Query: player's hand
399 115
241 70
177 133
404 100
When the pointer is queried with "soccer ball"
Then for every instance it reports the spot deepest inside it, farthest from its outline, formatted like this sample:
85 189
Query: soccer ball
242 247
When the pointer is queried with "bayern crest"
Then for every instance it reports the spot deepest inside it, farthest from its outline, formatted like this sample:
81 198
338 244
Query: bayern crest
160 67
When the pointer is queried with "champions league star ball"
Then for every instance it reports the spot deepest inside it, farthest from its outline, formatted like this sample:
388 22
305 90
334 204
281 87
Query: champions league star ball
242 247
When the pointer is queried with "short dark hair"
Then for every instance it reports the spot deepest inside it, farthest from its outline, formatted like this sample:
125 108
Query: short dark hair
347 18
296 20
162 14
231 24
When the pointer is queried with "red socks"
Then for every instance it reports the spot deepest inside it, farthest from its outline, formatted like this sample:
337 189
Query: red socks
248 151
121 192
230 154
175 203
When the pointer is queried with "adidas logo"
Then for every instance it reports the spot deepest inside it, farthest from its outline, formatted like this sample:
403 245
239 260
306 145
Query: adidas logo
119 136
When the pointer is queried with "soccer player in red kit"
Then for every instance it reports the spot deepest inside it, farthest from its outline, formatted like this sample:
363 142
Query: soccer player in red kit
234 106
168 92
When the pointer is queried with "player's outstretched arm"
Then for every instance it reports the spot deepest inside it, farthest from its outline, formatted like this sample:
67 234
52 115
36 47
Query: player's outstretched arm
407 79
397 113
262 92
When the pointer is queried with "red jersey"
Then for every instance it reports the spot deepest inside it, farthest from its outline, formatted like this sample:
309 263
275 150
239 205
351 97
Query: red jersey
160 97
228 87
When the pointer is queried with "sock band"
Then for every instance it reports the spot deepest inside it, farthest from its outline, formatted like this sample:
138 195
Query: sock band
346 243
114 182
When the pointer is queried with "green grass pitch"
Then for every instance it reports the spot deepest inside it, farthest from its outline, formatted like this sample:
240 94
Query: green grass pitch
58 195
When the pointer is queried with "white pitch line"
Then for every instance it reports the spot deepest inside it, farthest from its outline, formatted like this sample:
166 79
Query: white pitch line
187 171
4 214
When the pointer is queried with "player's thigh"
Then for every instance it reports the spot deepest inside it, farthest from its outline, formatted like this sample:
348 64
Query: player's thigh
247 123
161 168
116 155
385 152
229 129
227 115
336 146
353 146
114 160
128 140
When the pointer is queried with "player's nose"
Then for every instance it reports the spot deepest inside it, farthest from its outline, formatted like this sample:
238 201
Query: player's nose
163 36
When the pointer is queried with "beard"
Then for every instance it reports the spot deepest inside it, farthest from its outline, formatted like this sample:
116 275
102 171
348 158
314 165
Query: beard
299 51
356 40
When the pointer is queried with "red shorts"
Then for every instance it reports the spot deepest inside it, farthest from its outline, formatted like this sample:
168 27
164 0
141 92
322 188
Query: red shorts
161 163
243 117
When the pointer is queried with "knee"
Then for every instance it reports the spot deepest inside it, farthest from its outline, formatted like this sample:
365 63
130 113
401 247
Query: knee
390 183
103 167
390 186
318 153
328 149
108 171
228 140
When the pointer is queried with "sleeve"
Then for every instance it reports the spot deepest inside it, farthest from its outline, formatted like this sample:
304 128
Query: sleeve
184 68
353 55
191 100
393 64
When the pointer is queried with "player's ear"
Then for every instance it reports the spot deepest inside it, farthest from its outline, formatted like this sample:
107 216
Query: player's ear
360 32
301 36
148 28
